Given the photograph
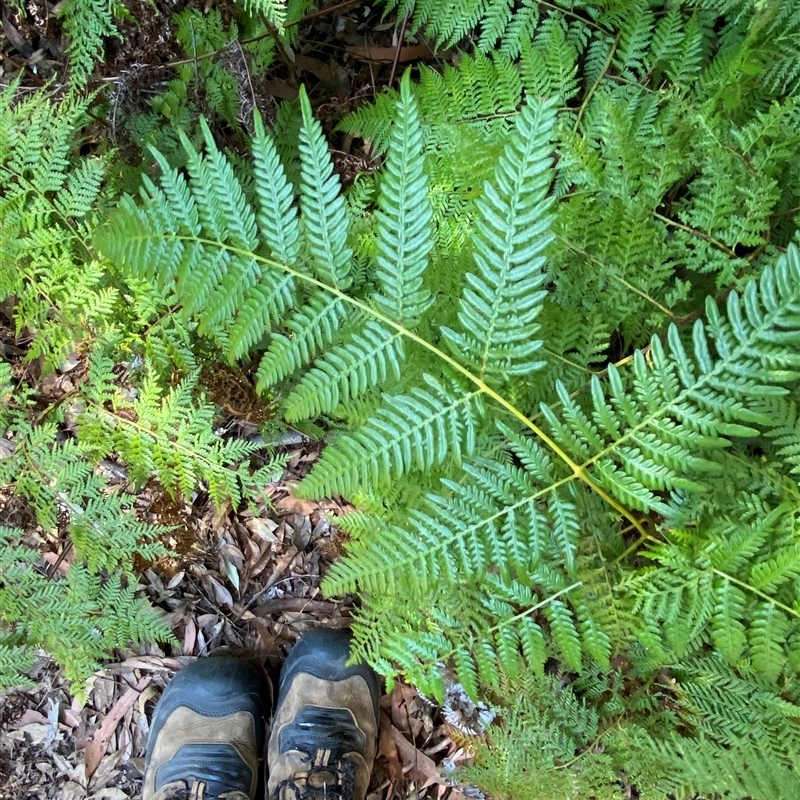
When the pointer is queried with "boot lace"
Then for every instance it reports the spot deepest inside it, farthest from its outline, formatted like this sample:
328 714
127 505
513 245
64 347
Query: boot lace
194 791
312 784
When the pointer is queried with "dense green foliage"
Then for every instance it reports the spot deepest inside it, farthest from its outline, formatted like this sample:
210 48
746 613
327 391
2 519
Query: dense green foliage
66 298
647 513
556 341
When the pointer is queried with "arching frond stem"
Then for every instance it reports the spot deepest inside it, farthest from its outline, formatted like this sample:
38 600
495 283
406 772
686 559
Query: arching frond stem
517 617
762 595
578 470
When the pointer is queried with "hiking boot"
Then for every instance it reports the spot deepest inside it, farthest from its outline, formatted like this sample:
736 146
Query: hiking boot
208 732
325 727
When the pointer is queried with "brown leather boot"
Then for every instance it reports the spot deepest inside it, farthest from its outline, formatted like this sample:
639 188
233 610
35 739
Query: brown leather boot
208 732
325 728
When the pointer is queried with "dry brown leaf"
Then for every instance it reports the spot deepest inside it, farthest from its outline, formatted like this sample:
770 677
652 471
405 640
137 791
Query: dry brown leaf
280 567
148 694
421 768
37 732
296 505
176 579
109 793
402 699
105 772
319 69
388 748
263 528
373 52
281 90
30 716
72 791
221 595
69 717
96 748
189 637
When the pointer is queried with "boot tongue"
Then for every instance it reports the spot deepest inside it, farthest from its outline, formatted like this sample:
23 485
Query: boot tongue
322 778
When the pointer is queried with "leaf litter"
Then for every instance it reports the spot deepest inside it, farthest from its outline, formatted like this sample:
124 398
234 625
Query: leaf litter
242 582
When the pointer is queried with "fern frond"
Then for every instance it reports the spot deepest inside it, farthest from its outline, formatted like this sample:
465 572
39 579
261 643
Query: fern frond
654 438
499 306
277 220
198 237
403 232
767 637
565 633
635 40
324 214
727 629
310 329
346 371
740 772
413 431
274 11
86 24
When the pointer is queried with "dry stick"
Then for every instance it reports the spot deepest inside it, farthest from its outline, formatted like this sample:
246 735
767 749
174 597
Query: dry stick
594 86
721 245
61 556
754 590
787 213
281 565
581 251
323 12
397 50
270 32
295 605
247 72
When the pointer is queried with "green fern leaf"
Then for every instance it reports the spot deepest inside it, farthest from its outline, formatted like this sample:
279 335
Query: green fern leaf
86 23
726 628
324 214
769 575
486 659
596 642
414 431
273 11
466 671
665 432
311 329
507 646
404 230
767 636
533 645
565 634
499 306
566 529
277 219
347 371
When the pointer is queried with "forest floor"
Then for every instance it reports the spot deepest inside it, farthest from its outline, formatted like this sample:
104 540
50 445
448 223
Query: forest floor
243 580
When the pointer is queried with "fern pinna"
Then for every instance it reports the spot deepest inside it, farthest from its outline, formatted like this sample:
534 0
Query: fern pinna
636 517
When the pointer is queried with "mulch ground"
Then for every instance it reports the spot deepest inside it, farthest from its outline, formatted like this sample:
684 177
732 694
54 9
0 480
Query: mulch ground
245 582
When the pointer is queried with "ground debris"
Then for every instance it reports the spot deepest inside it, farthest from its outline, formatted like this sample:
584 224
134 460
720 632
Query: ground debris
243 581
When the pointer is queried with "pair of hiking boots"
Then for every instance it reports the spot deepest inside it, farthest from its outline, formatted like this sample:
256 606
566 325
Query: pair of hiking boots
210 727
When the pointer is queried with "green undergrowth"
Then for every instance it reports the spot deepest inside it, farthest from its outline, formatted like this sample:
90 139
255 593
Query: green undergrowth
137 399
555 345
